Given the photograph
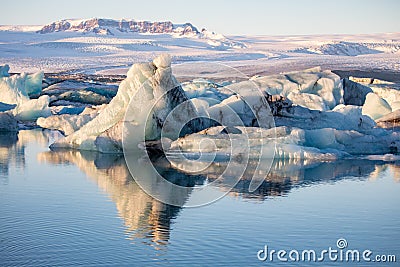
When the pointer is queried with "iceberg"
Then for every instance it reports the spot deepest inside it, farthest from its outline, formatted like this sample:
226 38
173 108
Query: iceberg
33 83
65 123
4 71
312 115
16 89
33 109
13 90
143 105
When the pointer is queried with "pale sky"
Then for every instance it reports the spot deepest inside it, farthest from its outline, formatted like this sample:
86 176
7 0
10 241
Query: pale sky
252 17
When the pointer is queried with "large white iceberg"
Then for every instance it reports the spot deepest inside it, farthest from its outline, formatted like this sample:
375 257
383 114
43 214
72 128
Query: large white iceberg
311 116
142 105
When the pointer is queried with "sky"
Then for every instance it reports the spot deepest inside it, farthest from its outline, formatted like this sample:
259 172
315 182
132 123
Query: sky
246 17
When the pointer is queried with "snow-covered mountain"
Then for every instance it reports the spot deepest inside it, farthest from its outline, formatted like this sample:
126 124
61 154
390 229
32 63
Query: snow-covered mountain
125 27
343 48
109 46
110 27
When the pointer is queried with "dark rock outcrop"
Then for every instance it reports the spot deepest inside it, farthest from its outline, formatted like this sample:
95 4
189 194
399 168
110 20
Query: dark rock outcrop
106 26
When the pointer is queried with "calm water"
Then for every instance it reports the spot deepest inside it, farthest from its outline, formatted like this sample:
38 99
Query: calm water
69 208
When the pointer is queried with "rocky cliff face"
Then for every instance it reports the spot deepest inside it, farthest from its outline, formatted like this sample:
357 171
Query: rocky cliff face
109 26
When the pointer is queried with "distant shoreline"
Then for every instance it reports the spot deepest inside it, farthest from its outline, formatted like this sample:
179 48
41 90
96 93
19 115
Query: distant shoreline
386 75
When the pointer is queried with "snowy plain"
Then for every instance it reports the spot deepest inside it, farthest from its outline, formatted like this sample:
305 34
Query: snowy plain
26 50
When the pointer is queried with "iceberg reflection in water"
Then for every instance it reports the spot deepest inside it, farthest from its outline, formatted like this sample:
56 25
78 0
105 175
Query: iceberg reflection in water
52 216
147 218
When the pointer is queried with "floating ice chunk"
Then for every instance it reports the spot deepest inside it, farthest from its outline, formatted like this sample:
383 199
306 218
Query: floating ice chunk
12 90
389 91
4 71
33 83
17 88
375 107
162 62
378 143
232 112
353 116
33 109
286 151
386 157
65 123
287 143
305 80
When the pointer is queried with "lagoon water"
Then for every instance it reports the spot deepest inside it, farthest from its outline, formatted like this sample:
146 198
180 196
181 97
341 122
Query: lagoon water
70 208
